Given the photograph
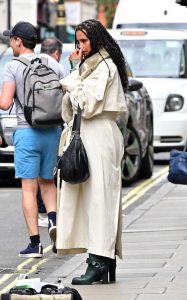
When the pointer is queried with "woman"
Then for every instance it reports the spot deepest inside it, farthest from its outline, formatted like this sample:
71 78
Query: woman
89 214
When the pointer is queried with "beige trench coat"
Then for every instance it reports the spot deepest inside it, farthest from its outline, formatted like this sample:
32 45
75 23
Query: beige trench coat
89 214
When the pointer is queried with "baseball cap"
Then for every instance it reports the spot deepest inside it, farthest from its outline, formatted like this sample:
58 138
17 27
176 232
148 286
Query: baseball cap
23 30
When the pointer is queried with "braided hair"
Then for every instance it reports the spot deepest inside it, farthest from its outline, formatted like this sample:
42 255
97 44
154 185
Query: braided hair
100 38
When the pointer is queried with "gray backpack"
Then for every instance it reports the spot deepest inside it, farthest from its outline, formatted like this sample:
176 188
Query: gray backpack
42 94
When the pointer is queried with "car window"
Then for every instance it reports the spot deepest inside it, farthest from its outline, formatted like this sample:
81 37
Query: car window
65 61
182 62
154 58
5 58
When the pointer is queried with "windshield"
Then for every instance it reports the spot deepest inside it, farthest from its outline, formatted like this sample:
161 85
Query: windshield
154 58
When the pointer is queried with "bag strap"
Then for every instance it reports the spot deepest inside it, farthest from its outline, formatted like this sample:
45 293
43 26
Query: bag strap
44 60
23 60
49 289
78 124
67 290
26 62
77 121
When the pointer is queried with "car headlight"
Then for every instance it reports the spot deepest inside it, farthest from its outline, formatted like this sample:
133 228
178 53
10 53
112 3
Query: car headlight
174 102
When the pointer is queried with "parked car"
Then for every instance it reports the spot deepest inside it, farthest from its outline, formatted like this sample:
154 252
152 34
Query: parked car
138 136
158 58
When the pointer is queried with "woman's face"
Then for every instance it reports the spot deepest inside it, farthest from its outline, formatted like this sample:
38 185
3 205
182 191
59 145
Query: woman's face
83 42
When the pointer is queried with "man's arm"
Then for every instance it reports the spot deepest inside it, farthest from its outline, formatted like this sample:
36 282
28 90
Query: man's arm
7 95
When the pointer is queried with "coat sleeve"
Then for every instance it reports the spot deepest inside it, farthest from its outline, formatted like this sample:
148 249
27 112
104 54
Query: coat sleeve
94 92
89 92
67 110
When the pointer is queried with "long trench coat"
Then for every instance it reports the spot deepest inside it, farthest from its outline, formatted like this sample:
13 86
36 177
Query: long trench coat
89 214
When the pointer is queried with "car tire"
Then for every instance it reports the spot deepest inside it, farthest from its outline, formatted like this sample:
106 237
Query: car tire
132 159
148 160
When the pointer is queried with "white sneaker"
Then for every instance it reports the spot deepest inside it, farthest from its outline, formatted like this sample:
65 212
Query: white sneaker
43 220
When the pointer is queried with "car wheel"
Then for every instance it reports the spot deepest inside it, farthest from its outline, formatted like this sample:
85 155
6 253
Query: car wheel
148 160
132 160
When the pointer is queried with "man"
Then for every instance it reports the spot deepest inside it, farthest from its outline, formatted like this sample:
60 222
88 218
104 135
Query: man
53 47
35 149
49 47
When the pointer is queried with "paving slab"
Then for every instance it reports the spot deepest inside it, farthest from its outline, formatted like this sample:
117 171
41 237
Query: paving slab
154 265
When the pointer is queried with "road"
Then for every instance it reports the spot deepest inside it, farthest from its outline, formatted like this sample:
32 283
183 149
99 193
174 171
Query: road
14 237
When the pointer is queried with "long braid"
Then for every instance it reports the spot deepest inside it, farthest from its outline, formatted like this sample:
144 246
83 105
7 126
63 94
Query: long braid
100 38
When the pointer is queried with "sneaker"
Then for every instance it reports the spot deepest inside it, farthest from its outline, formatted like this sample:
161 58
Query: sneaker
34 252
52 234
43 220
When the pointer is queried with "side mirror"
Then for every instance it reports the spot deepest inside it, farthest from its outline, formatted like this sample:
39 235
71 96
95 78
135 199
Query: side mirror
134 85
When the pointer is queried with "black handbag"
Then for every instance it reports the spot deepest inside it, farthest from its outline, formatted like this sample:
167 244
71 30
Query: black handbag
178 166
73 163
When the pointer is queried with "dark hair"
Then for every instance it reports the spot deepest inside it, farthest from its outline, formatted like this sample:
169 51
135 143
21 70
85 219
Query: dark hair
30 44
50 45
100 38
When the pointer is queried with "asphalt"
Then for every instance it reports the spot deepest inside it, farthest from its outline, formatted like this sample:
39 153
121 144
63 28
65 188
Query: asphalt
154 265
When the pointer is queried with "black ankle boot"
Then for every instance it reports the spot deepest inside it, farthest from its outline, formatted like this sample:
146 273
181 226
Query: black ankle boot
97 270
112 270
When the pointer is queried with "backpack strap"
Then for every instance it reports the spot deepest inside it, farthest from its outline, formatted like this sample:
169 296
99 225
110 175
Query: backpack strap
44 60
23 60
26 62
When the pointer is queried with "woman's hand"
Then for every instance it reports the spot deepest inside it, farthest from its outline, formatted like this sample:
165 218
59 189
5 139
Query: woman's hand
76 54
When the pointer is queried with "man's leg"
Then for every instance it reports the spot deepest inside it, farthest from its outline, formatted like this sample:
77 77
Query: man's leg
49 196
29 203
42 213
30 210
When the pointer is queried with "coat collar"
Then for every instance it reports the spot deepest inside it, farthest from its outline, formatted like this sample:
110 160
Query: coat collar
91 63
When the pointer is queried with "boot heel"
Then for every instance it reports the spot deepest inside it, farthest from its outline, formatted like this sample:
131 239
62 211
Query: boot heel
104 278
112 270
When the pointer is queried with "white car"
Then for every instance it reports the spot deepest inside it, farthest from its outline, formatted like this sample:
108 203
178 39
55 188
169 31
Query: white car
158 58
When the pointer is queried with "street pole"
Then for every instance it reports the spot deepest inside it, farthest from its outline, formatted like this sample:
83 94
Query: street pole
61 22
9 14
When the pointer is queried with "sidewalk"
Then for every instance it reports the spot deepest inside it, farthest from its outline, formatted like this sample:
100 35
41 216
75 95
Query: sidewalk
154 266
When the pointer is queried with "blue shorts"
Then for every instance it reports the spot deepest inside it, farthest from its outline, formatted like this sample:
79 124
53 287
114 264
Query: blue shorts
35 152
